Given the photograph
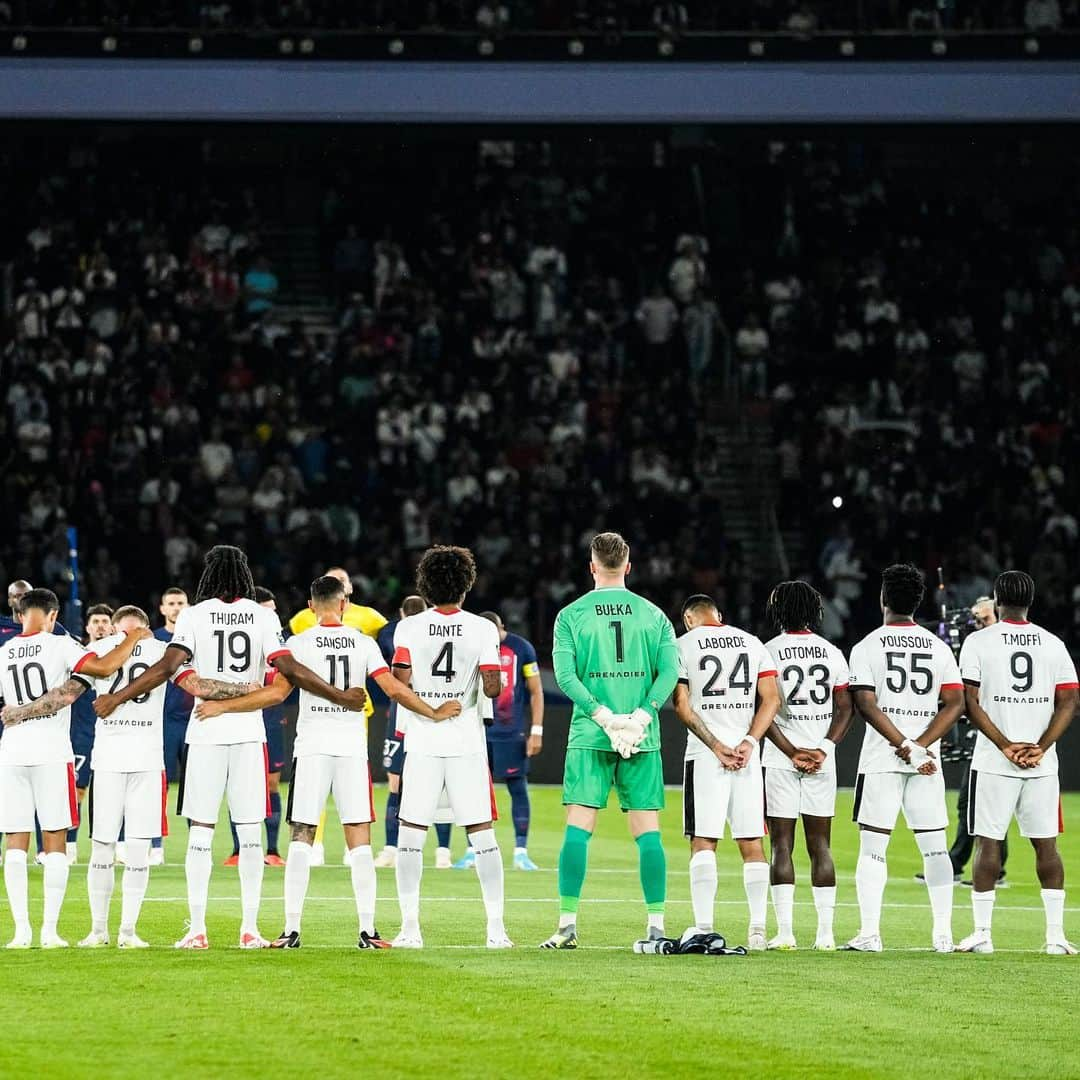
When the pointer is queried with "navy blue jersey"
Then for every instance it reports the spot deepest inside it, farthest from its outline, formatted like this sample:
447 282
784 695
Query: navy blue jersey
518 661
178 702
385 640
9 628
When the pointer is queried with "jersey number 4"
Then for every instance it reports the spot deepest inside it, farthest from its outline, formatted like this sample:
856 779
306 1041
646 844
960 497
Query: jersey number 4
442 667
739 679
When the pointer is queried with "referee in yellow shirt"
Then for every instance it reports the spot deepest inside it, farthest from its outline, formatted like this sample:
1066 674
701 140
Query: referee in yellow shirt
368 621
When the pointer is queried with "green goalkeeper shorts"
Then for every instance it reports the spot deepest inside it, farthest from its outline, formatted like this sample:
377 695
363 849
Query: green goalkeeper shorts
589 774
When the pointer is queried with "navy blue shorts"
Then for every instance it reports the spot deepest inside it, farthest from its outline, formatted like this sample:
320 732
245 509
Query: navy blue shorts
275 739
175 740
507 758
393 748
82 745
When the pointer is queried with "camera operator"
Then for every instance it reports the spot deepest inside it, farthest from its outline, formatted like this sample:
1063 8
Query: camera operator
983 615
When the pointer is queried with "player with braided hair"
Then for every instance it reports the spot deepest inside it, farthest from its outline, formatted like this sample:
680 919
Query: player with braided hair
799 754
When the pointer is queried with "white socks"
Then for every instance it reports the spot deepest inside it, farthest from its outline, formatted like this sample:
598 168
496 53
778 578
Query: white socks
134 882
297 875
755 876
703 889
871 873
938 871
982 909
364 885
251 875
489 869
783 902
1054 906
197 866
15 885
825 903
408 870
100 881
56 879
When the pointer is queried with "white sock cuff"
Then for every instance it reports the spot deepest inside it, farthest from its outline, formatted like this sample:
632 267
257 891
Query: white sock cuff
755 871
300 847
408 837
979 897
702 859
249 834
783 891
55 858
200 836
873 843
932 843
361 853
1052 894
484 840
14 856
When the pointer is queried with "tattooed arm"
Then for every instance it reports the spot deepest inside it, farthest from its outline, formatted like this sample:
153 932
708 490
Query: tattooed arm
51 701
214 689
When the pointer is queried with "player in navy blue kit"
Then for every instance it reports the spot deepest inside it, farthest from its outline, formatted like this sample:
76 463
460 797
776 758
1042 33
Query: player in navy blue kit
515 734
98 626
394 754
10 625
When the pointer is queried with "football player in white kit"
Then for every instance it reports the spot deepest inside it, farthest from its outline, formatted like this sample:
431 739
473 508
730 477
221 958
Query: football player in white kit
800 754
728 698
448 655
906 684
330 755
230 640
1021 689
37 771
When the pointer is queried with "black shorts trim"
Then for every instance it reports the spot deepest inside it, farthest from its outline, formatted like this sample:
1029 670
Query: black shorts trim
90 803
183 776
858 797
292 788
689 822
973 779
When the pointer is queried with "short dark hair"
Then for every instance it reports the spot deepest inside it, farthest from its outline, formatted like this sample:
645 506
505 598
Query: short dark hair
795 605
445 574
699 602
326 589
262 594
1015 589
413 605
609 550
902 588
130 611
99 609
39 600
174 590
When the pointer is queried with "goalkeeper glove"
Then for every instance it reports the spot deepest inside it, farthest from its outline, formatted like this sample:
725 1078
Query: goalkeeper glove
641 718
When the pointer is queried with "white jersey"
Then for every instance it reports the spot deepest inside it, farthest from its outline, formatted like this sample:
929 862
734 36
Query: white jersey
1017 666
344 657
31 665
721 666
811 670
232 643
907 667
132 738
446 653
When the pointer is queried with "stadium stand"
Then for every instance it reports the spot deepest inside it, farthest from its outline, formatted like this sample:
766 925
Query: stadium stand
196 352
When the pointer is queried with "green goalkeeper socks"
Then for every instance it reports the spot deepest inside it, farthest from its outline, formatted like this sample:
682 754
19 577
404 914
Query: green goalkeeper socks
652 866
573 859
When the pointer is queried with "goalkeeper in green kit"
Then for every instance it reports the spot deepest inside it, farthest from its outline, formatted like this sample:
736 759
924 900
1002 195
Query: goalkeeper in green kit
615 658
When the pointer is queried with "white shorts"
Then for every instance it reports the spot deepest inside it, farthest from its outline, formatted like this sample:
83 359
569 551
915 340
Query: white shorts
879 798
467 780
136 800
236 770
790 794
45 790
994 800
713 796
315 776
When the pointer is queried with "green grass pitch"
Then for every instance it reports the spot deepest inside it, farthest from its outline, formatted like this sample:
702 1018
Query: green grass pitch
457 1010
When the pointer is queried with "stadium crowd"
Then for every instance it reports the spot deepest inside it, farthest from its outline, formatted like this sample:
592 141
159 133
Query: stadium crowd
583 16
527 351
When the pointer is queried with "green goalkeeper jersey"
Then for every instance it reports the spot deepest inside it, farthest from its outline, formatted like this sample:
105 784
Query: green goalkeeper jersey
614 648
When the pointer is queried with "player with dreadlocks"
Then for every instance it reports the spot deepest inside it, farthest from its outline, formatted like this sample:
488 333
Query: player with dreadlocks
229 640
1021 689
800 754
